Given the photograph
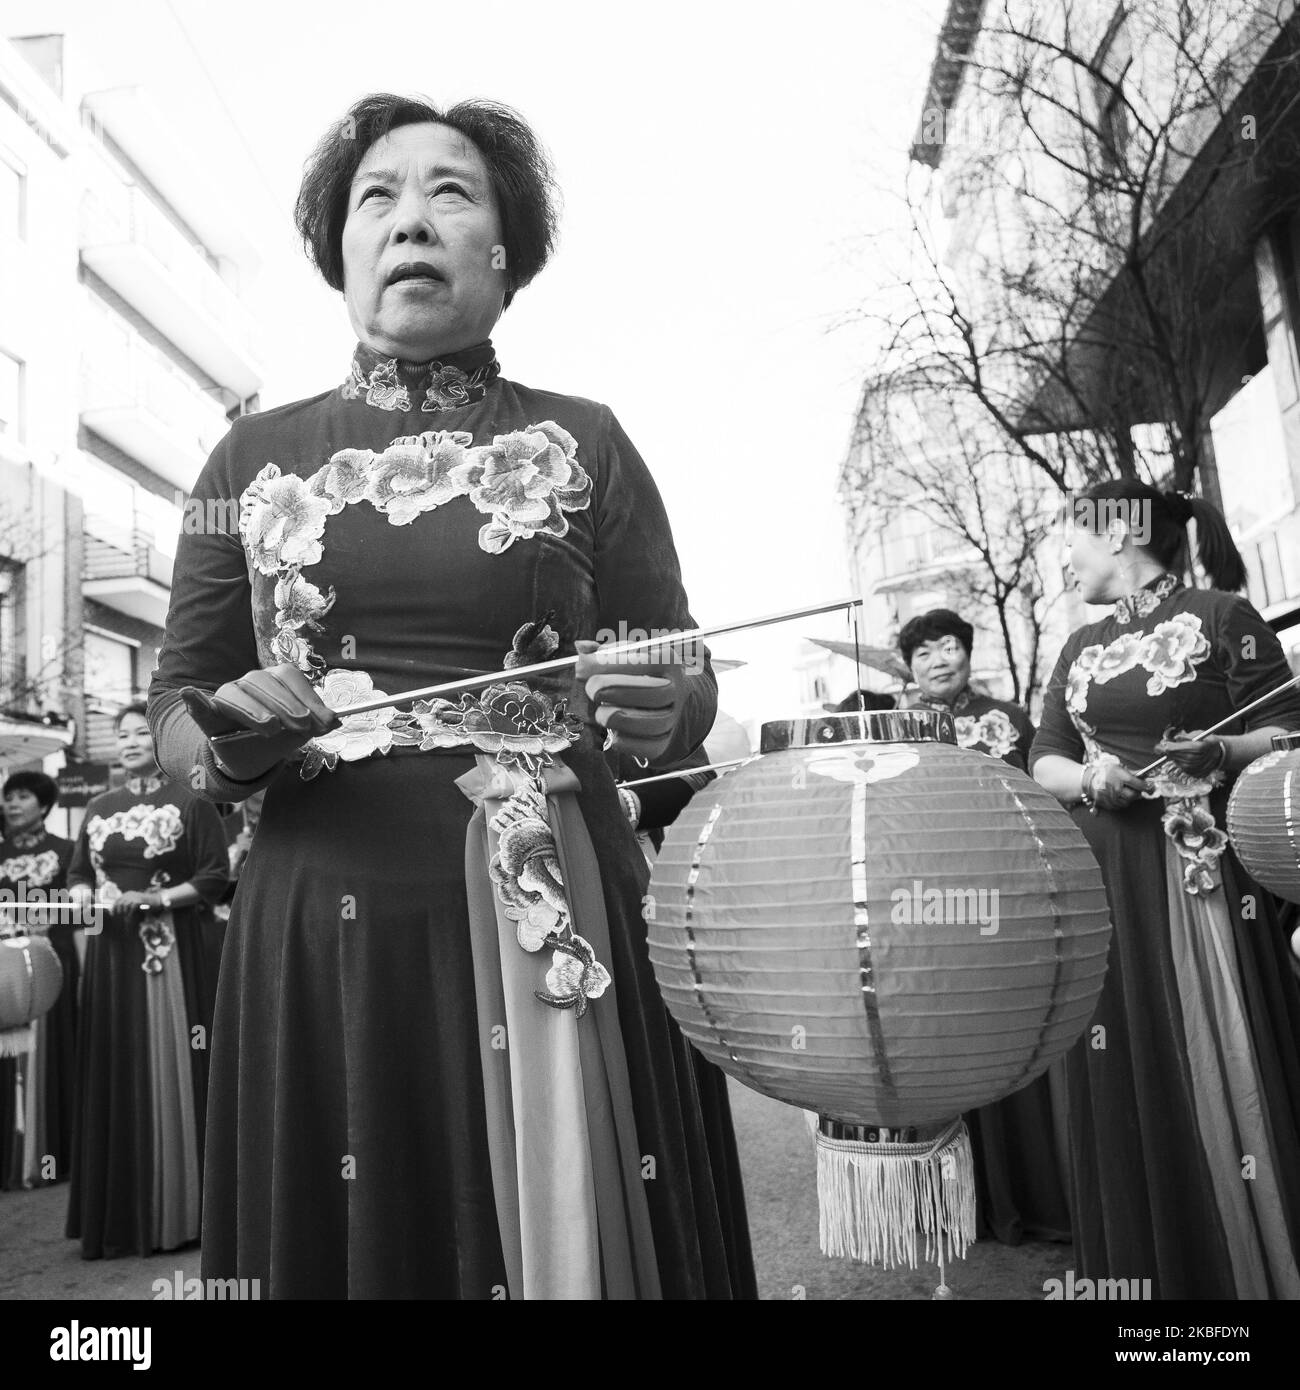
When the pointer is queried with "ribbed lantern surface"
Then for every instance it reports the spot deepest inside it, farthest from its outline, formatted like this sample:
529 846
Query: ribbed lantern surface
1264 818
890 933
30 979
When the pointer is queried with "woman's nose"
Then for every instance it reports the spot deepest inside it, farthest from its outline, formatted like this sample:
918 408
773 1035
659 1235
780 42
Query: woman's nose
411 221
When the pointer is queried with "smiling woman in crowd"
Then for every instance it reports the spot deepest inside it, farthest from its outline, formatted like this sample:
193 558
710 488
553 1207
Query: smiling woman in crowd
441 1066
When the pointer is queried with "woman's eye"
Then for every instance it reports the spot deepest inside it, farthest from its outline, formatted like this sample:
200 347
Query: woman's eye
369 191
450 188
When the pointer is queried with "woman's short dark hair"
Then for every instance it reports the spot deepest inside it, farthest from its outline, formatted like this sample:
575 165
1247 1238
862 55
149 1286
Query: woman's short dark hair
1157 523
518 167
865 700
135 707
44 788
931 627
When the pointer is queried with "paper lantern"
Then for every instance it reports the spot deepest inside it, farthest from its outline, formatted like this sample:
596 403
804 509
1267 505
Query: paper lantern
1264 818
874 924
30 980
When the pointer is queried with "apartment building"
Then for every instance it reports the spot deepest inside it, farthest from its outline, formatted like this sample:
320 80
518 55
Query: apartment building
125 351
1227 218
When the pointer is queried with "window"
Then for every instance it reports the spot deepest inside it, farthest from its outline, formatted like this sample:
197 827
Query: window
12 666
11 398
13 199
110 671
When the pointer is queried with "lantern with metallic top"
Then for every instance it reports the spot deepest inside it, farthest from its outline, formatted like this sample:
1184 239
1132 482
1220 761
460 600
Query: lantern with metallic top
877 925
1264 818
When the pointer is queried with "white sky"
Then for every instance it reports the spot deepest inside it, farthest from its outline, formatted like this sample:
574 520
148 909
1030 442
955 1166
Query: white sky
722 166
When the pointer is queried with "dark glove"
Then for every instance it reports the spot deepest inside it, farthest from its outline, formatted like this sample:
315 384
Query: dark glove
1198 757
260 719
636 700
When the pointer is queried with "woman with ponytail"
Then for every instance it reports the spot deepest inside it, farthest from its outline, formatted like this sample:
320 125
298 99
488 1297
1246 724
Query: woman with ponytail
1185 1091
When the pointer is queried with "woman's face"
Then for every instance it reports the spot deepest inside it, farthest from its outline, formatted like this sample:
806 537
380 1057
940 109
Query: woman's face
1094 565
23 811
941 669
135 745
423 266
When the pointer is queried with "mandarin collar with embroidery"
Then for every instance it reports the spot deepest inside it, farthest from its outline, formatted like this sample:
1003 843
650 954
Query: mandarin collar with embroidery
964 697
145 786
458 379
1144 601
29 839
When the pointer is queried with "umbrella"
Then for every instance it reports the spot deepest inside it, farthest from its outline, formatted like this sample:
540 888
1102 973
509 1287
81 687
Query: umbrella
878 658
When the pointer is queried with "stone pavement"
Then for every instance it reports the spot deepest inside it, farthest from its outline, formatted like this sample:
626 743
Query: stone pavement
779 1163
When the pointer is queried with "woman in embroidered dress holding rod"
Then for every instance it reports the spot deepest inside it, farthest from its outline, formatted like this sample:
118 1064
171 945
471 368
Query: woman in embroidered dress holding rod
1185 1092
36 1089
150 853
441 1065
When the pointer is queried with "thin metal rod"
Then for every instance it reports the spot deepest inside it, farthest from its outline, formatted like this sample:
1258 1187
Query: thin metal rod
1223 723
690 771
563 662
27 906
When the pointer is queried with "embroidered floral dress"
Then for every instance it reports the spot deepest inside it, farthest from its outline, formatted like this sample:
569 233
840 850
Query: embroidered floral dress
441 1066
1185 1092
141 1066
997 727
36 1091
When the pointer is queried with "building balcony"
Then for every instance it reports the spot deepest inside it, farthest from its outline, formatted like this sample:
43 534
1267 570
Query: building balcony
135 398
180 171
125 571
133 248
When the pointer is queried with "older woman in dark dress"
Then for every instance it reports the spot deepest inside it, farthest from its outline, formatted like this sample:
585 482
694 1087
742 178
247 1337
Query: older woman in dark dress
1185 1092
1018 1142
441 1066
36 1090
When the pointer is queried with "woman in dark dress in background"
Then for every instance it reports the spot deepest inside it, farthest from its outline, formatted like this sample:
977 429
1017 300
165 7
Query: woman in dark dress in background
152 854
36 1091
1019 1142
406 1100
1185 1091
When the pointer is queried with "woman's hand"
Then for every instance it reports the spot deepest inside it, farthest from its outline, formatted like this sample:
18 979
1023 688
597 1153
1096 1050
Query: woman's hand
1197 757
1113 788
278 706
637 701
131 902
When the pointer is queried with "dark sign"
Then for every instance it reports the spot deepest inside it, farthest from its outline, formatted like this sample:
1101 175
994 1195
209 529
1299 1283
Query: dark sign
78 784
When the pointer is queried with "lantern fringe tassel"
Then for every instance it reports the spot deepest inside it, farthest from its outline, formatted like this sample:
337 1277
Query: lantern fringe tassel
874 1197
16 1042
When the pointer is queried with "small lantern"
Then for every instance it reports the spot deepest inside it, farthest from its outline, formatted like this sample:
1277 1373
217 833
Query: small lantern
30 980
874 924
1264 818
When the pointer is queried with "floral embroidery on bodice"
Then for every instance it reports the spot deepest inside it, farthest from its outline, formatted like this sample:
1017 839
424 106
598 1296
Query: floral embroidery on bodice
1169 653
35 869
524 481
993 731
160 827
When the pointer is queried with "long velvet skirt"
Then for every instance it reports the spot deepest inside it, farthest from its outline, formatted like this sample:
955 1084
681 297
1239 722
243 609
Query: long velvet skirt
137 1149
1021 1172
348 1143
1185 1090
